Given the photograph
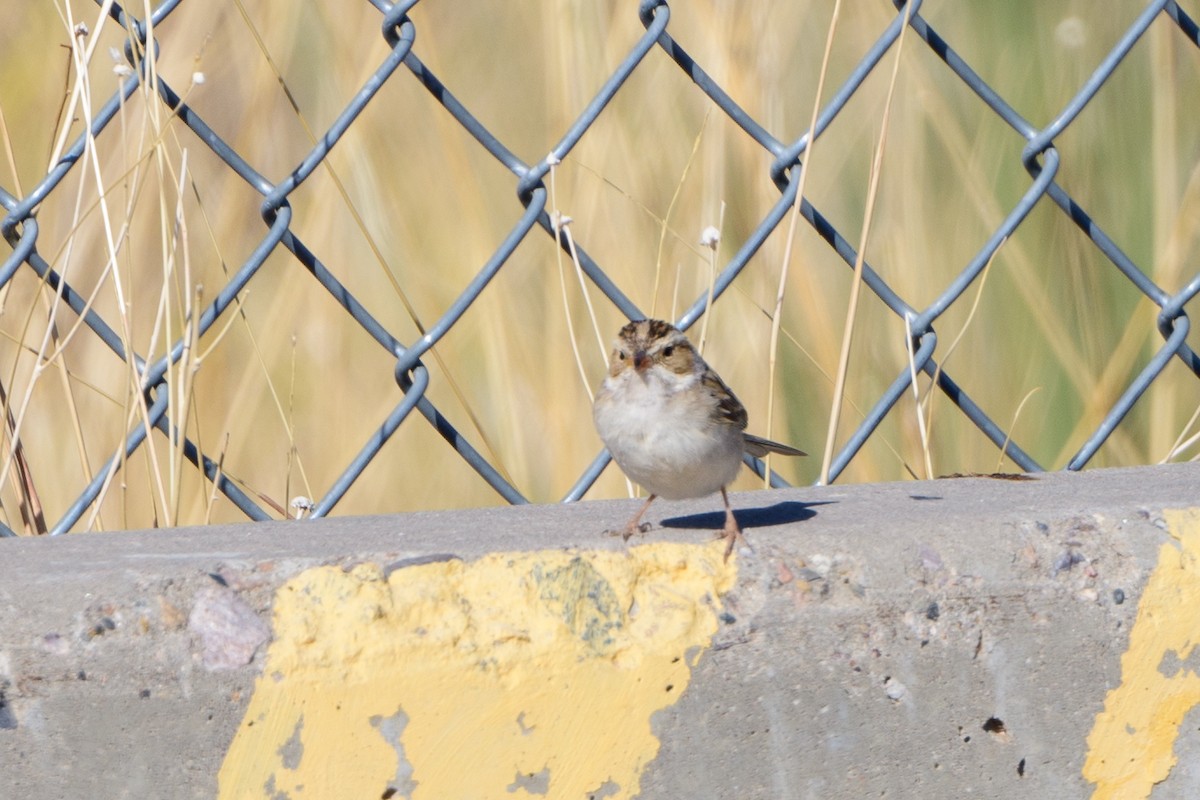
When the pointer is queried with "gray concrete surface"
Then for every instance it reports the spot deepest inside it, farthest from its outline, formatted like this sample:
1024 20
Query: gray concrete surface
873 633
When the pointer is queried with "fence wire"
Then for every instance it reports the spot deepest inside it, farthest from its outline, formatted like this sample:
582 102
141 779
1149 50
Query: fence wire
1041 159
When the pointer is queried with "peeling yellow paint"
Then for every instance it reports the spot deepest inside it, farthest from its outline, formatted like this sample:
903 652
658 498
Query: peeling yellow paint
518 675
1131 744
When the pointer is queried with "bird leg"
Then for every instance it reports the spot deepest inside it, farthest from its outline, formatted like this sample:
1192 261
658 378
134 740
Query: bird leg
634 526
732 532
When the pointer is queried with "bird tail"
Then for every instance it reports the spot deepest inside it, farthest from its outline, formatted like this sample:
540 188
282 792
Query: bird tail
759 447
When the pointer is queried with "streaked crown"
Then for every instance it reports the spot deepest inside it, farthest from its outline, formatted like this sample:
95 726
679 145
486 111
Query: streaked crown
646 342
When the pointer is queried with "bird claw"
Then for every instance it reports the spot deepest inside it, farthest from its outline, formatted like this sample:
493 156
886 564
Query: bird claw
632 529
731 535
730 541
628 531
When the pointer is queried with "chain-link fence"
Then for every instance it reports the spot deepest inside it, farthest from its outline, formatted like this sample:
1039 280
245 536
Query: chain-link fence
76 314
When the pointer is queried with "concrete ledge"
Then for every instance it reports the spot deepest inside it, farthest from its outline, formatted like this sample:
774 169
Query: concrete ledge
962 637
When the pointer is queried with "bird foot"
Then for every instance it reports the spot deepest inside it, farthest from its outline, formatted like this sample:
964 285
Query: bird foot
628 531
731 534
631 529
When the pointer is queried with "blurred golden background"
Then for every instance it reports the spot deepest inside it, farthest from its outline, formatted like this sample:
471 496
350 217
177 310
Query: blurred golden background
286 388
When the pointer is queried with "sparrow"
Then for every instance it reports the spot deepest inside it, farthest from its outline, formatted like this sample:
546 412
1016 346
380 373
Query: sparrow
671 423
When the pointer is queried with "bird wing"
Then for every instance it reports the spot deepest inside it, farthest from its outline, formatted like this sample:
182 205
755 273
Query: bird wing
728 406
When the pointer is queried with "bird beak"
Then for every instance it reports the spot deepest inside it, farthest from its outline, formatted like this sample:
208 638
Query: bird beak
640 361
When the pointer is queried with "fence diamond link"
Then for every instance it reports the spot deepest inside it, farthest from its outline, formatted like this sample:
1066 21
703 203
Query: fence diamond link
1040 158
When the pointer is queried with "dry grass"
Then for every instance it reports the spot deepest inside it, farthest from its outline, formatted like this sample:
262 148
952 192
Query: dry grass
285 388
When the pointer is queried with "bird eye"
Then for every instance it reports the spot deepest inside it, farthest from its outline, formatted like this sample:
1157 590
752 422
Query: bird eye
621 354
668 350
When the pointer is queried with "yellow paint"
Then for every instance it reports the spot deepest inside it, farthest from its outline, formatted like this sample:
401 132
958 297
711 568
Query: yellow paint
1131 744
518 675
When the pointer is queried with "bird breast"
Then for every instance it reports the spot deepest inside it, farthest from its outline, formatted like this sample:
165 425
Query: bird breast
664 438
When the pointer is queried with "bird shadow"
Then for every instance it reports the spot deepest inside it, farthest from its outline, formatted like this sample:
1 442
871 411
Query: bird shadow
763 517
